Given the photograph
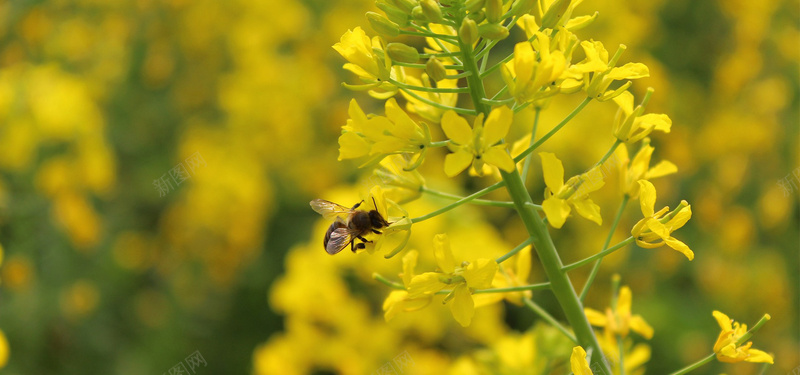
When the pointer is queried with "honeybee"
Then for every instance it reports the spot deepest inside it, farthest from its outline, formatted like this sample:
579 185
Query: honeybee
355 224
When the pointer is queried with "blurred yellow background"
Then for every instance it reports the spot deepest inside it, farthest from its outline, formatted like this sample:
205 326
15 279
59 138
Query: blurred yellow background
157 159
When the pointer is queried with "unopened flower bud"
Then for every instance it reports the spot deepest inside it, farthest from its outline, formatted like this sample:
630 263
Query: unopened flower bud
394 13
435 69
403 53
522 7
477 16
474 5
382 25
418 14
555 13
405 5
431 10
468 31
493 31
494 10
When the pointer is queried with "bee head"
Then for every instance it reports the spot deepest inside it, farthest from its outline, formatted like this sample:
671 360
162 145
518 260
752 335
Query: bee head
377 220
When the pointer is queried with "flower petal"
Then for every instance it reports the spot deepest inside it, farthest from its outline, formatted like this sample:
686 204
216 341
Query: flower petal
497 125
625 102
595 318
680 246
759 356
624 301
457 162
480 273
523 264
462 306
352 146
443 254
629 71
499 157
425 284
578 363
524 61
588 209
640 326
663 168
723 320
404 127
392 304
409 262
647 198
456 128
556 210
553 171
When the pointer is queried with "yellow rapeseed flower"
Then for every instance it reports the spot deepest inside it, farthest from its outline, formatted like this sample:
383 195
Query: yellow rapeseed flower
371 67
639 169
651 232
535 69
463 279
425 110
631 125
398 301
597 72
477 145
559 196
620 321
726 347
371 138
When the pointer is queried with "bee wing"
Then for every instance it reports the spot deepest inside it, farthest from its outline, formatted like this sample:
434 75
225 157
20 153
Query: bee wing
328 209
340 238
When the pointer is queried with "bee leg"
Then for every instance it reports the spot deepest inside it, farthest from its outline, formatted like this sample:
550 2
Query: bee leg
361 246
357 204
376 232
364 240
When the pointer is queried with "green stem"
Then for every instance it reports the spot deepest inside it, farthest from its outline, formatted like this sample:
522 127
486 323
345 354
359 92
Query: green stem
551 262
438 144
528 159
537 230
428 34
482 202
549 318
423 66
521 288
429 102
695 365
441 90
608 154
458 76
598 255
554 130
514 250
498 102
441 45
439 54
388 282
459 202
621 355
500 93
596 266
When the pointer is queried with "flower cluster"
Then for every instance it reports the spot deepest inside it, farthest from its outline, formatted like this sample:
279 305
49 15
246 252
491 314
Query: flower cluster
459 37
